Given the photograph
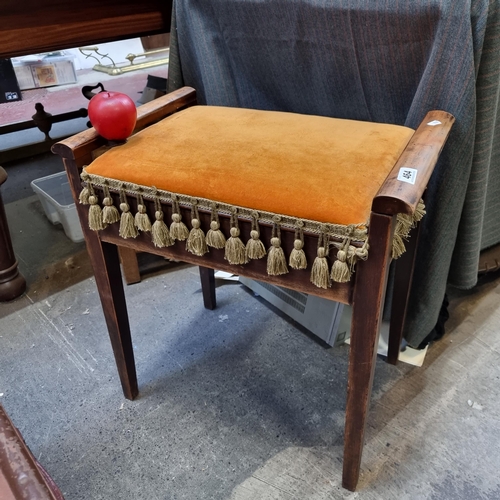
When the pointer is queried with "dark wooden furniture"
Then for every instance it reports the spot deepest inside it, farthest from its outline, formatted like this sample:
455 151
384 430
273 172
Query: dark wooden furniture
21 476
365 292
32 26
12 283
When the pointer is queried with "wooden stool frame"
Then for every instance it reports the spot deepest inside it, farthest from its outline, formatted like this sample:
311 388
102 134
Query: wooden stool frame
365 292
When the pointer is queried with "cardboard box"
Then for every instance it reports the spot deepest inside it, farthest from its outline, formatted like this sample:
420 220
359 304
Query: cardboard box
9 88
44 71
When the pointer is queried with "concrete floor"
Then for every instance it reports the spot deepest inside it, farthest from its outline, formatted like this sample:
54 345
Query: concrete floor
237 403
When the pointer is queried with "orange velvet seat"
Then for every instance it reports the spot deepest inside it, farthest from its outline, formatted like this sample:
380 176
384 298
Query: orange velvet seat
321 169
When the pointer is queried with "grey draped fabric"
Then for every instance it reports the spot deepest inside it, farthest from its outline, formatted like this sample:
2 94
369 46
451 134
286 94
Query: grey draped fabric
377 60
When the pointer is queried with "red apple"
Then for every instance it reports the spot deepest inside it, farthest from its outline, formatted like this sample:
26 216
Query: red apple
113 115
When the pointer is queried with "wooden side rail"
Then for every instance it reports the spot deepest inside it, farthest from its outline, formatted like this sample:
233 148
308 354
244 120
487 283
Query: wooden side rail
415 166
401 196
84 143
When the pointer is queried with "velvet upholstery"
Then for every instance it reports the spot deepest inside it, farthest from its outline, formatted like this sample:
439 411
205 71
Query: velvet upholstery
310 167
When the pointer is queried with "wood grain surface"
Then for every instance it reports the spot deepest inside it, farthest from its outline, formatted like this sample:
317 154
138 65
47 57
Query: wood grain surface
421 154
32 27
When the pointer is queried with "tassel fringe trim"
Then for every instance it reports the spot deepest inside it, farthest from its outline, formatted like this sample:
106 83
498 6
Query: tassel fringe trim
404 224
358 233
354 245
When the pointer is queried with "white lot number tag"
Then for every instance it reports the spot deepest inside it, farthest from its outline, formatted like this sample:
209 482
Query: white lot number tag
407 175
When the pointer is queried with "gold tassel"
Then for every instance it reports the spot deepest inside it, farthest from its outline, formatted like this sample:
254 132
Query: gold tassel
401 233
276 260
297 258
255 248
142 221
398 246
178 229
85 192
340 269
215 237
320 275
127 224
235 251
196 242
84 196
95 214
404 223
160 235
419 211
355 253
110 213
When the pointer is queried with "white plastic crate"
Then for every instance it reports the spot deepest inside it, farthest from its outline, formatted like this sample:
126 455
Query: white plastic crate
55 196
